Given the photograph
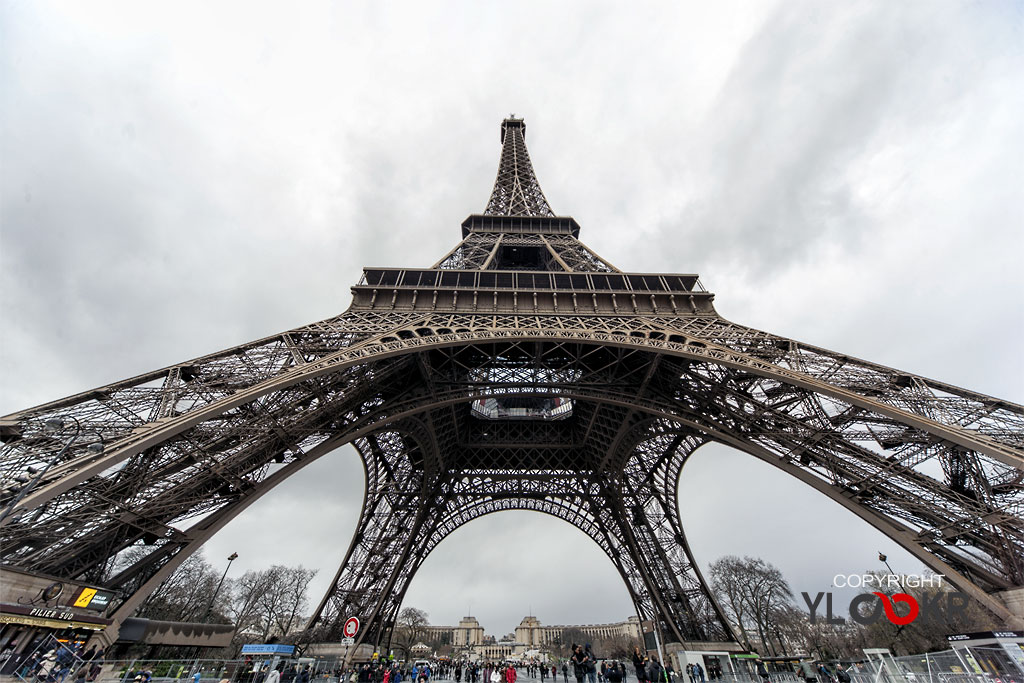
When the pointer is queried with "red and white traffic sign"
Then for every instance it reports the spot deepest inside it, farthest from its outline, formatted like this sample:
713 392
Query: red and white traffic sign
351 627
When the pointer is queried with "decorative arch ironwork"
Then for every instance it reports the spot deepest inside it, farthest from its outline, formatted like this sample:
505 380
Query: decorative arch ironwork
640 365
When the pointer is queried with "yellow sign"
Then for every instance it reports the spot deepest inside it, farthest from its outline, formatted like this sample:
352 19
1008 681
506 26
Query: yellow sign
85 598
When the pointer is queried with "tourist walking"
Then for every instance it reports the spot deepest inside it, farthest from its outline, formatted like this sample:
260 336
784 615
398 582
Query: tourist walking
655 671
640 664
807 672
579 663
591 664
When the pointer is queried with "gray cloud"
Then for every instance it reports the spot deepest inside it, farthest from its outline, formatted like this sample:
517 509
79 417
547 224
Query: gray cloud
179 181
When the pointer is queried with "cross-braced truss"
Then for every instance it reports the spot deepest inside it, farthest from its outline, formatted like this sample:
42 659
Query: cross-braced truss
516 190
521 372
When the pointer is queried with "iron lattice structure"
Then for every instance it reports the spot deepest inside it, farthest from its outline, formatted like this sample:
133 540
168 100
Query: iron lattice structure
521 371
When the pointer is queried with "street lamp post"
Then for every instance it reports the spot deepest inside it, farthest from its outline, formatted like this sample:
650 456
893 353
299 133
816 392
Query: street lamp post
54 425
885 560
209 608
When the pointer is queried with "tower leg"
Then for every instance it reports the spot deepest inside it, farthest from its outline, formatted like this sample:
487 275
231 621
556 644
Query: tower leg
387 546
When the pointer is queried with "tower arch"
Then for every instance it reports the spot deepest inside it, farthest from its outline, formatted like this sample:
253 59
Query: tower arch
521 353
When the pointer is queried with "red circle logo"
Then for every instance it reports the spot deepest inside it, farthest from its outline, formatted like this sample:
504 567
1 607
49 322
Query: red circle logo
351 627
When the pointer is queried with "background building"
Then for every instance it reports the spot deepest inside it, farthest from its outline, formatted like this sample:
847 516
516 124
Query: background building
468 633
469 638
530 632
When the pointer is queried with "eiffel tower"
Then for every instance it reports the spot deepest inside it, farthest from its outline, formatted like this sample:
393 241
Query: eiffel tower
521 371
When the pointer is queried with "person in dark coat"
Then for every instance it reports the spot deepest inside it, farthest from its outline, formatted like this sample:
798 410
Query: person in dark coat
640 665
655 671
591 664
579 663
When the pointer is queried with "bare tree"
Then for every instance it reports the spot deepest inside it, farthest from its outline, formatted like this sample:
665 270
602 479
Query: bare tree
821 640
571 637
269 603
264 604
727 576
286 599
186 594
924 634
410 628
753 593
246 592
614 647
825 640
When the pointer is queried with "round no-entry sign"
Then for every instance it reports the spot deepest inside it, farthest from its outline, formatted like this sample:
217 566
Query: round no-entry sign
351 627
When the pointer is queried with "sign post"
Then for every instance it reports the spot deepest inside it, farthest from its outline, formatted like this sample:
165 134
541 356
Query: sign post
349 630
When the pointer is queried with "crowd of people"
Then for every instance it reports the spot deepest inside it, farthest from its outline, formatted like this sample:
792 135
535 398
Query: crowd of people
471 672
583 665
68 664
817 672
61 663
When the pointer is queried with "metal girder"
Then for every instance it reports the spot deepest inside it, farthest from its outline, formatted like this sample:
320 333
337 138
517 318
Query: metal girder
516 190
521 372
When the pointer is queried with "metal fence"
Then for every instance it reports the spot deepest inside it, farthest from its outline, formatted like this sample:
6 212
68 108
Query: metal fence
63 666
969 665
966 665
52 662
253 670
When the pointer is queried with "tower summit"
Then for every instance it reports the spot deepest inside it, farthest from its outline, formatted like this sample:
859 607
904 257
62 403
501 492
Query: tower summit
516 190
521 371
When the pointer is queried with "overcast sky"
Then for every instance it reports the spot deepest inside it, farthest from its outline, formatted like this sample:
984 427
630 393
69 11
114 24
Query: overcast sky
182 177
